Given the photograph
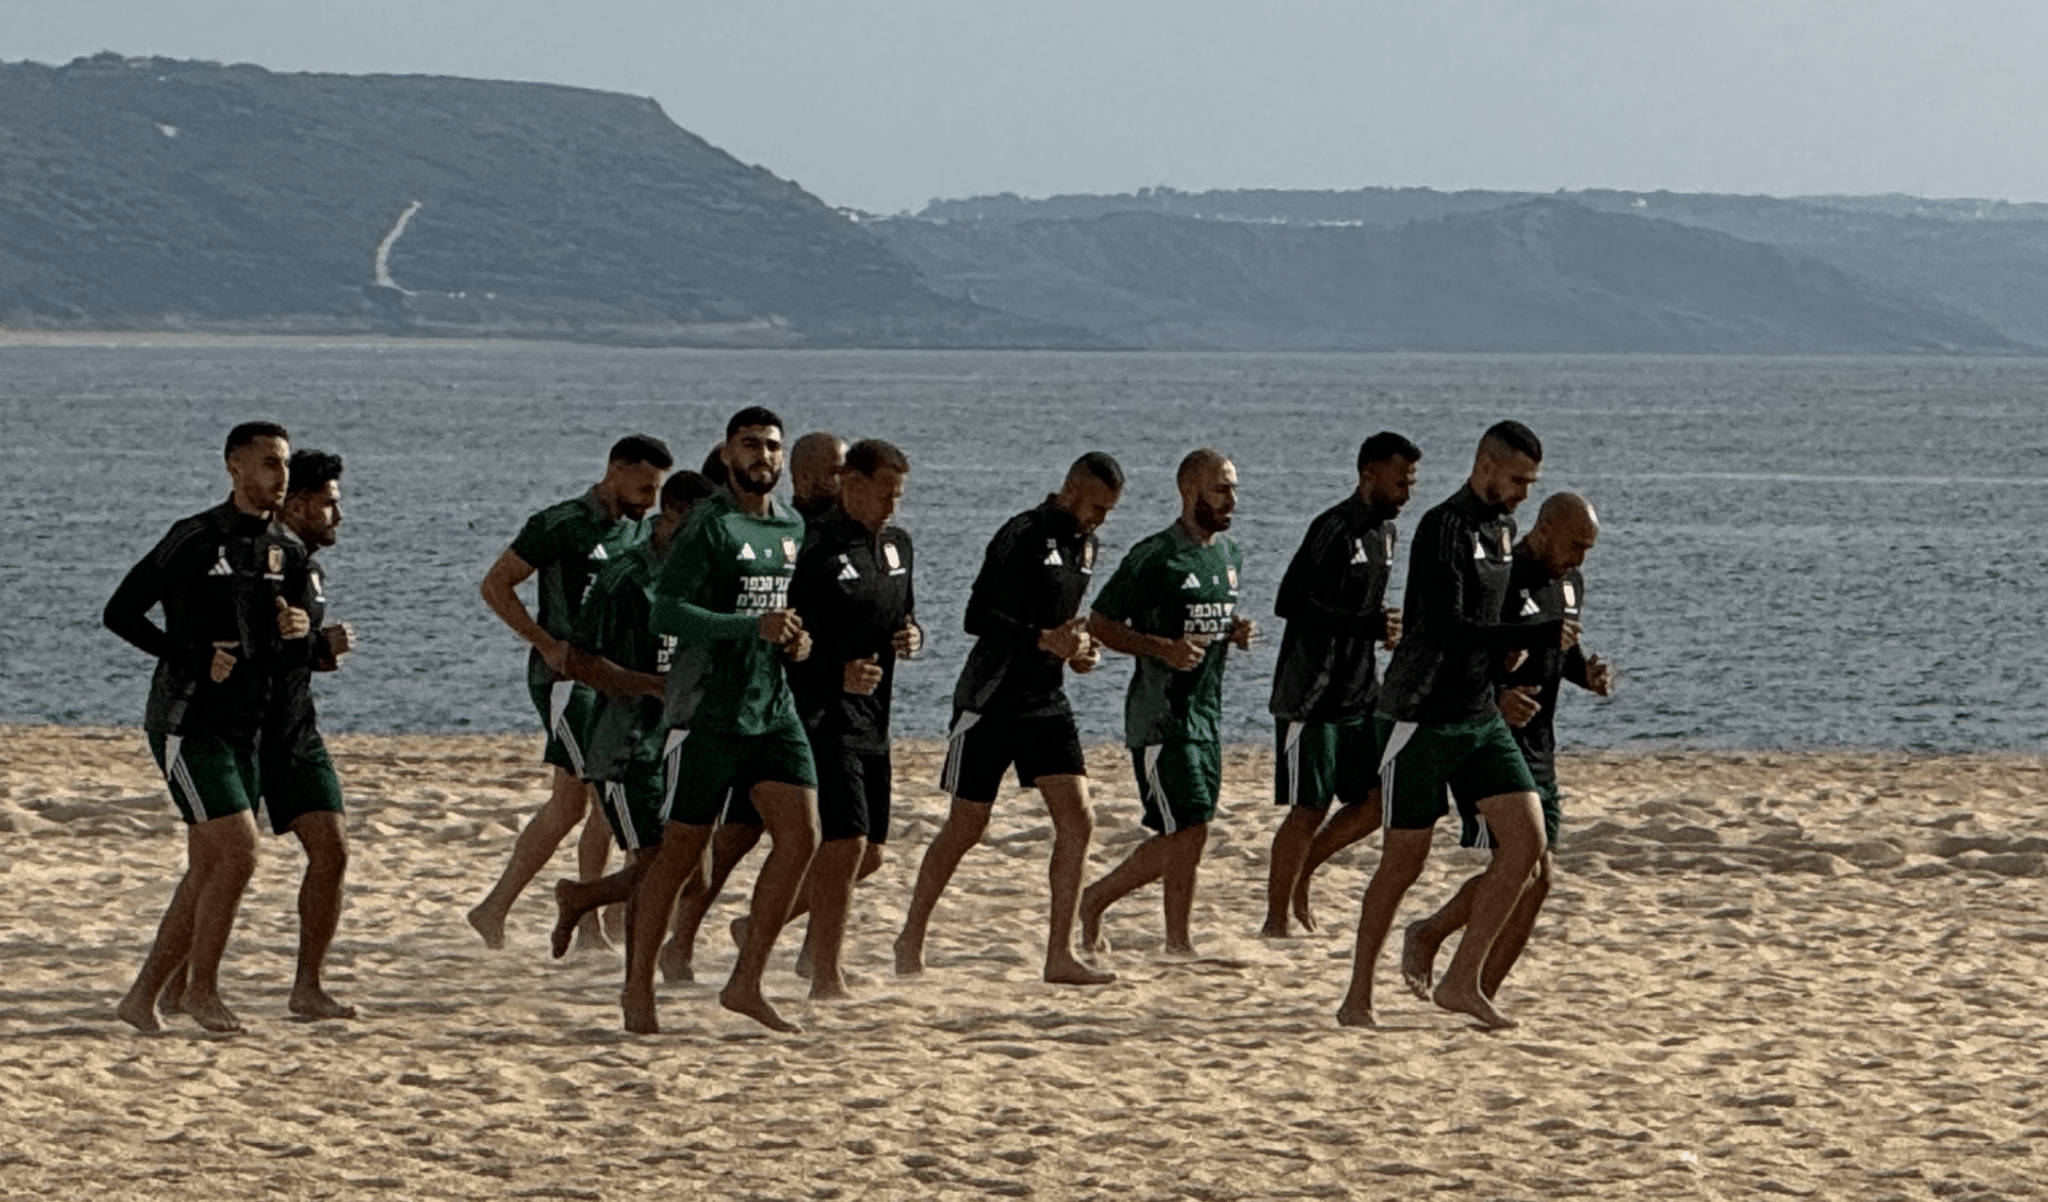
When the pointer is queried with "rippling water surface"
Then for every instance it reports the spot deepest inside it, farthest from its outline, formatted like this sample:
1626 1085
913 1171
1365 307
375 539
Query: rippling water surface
1797 551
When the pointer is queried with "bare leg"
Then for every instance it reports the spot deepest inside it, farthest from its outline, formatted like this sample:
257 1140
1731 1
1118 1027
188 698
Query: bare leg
326 842
662 875
1173 857
1419 943
1290 852
593 855
165 962
1516 820
830 890
1073 827
1351 822
1400 863
1507 948
962 829
574 900
870 863
536 845
729 846
790 813
222 855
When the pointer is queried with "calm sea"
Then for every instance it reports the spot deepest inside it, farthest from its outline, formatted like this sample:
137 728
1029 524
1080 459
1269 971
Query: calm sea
1797 552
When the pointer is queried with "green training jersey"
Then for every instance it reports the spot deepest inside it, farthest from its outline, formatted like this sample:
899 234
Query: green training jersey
616 623
726 569
567 545
1169 585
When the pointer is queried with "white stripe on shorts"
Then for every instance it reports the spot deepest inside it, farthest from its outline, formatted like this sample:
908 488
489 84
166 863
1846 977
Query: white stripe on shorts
1294 732
615 796
1166 826
671 766
558 712
1396 740
956 751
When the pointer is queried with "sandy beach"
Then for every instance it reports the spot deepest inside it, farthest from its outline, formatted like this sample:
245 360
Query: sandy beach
1802 975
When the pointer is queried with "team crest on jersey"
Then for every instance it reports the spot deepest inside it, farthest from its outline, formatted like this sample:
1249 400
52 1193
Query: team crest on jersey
889 556
1087 556
598 552
1571 596
319 592
747 551
1232 573
273 559
1506 547
789 548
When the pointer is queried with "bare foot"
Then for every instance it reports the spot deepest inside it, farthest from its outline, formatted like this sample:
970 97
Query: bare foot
211 1013
311 1001
1302 914
1066 970
832 990
1356 1016
750 1003
1274 930
590 936
1179 951
137 1012
1474 1004
1418 958
172 1000
909 955
638 1006
491 926
675 964
567 916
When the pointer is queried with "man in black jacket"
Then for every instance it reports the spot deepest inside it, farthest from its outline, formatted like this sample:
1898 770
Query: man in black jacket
1333 599
1010 707
225 579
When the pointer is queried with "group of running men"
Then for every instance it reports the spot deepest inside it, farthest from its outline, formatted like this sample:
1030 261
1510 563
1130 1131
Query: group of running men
712 666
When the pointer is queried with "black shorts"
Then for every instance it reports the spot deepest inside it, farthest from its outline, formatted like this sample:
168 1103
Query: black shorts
853 792
981 747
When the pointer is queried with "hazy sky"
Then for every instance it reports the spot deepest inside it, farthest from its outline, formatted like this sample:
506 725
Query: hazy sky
883 104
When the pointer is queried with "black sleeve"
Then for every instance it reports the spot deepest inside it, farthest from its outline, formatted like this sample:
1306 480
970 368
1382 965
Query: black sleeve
1317 563
1437 581
147 584
997 586
1575 666
820 672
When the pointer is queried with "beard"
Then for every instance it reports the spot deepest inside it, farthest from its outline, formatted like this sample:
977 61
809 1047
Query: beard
757 480
1209 519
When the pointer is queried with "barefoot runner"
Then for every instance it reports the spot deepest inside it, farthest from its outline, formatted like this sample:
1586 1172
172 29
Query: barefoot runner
1172 606
617 653
223 577
1010 706
1546 587
1439 725
1324 687
724 589
567 544
854 592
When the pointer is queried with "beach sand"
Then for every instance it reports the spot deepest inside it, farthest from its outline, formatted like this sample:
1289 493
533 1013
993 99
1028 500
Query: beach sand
1803 975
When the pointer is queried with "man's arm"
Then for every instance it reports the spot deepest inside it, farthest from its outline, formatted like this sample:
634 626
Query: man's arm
999 582
602 674
676 610
1437 565
127 611
1317 564
498 589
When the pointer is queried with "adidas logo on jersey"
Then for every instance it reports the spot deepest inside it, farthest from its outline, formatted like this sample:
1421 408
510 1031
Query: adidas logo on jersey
1052 555
1529 607
846 569
220 565
598 552
1358 554
747 551
1193 581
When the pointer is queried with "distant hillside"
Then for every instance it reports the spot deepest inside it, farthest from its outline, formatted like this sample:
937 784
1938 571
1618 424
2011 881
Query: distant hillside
146 193
1988 259
1534 276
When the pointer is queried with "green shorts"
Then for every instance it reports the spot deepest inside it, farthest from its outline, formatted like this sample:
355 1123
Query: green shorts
632 800
209 777
1178 783
1424 767
1475 832
704 768
298 782
565 708
1314 762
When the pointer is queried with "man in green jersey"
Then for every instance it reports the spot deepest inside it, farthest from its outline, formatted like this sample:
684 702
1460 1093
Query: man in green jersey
566 544
1172 606
724 589
617 652
224 578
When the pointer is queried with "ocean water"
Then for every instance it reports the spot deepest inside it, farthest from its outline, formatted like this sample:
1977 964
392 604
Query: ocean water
1797 552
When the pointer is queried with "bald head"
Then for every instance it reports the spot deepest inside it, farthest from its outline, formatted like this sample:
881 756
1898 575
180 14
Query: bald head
1208 491
1566 528
815 462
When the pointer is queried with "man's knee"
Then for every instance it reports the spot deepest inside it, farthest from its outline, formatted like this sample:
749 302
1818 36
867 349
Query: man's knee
789 813
325 841
967 820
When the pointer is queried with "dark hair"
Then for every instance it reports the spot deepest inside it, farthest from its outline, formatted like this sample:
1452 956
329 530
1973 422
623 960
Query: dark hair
713 469
248 432
642 448
1515 437
1386 445
313 471
752 415
685 488
871 455
1100 465
1195 461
